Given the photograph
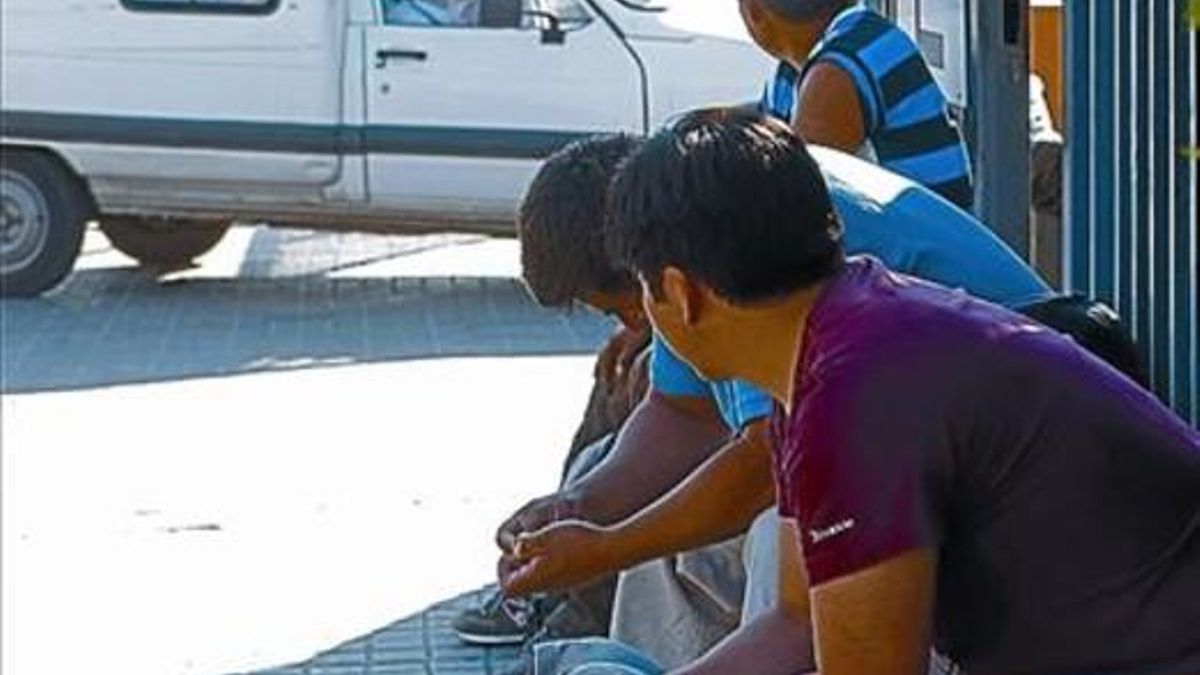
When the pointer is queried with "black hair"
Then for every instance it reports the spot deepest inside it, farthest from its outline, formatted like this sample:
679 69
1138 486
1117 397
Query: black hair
731 197
561 223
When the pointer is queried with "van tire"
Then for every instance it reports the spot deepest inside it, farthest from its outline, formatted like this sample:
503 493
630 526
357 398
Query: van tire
44 210
160 242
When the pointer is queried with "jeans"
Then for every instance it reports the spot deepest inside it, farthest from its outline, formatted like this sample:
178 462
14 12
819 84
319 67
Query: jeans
591 656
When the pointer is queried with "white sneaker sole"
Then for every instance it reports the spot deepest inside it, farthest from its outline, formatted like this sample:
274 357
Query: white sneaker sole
489 640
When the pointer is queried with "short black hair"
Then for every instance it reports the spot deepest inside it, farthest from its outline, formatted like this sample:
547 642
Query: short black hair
562 219
733 198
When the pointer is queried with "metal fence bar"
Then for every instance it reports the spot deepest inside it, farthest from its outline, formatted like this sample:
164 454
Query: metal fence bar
1104 53
1131 215
1125 192
1077 199
1139 318
1184 389
1162 151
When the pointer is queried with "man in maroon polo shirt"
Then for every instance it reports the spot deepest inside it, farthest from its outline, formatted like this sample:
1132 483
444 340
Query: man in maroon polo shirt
955 476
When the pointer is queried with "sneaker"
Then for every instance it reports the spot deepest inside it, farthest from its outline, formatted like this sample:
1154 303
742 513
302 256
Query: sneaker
559 620
498 621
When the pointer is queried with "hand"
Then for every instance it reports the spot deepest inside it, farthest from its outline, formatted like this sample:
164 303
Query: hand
555 558
535 515
619 353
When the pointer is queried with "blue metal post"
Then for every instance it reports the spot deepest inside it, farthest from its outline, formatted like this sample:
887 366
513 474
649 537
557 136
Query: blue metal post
1185 378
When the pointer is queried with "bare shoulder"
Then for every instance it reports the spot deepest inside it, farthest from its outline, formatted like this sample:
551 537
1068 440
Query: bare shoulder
829 112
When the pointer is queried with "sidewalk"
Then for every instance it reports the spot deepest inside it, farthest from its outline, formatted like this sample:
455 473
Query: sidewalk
293 449
418 645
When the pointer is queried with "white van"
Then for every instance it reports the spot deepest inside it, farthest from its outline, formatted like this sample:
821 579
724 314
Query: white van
165 120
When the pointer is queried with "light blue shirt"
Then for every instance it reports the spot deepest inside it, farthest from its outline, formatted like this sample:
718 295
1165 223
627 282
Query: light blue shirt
912 230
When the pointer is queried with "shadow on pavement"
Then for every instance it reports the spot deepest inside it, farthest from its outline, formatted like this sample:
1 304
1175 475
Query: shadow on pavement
422 644
120 326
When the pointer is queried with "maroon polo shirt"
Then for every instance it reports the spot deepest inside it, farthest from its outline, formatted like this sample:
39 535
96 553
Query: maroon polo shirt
1062 500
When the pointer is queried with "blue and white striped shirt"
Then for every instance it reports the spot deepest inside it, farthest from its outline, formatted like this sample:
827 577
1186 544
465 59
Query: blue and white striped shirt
906 115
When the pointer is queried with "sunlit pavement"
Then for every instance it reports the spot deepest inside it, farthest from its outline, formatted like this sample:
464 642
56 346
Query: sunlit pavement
160 520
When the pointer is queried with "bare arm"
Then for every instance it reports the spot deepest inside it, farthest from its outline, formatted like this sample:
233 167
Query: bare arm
778 642
828 110
664 439
879 620
719 500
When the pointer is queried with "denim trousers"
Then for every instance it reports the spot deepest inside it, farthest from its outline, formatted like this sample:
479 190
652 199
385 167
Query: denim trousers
591 656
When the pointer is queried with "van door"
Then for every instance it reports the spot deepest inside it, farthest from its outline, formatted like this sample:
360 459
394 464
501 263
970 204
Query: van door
465 97
162 100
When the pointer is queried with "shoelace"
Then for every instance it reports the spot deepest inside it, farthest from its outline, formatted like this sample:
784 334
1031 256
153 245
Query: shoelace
521 611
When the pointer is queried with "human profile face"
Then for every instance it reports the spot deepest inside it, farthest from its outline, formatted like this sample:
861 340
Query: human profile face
692 320
625 306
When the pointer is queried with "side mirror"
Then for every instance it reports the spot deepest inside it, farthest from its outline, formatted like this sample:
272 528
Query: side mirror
553 33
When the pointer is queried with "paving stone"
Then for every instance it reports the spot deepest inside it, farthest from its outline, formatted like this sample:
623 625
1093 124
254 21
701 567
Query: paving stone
399 669
321 669
118 326
402 648
109 326
398 656
356 657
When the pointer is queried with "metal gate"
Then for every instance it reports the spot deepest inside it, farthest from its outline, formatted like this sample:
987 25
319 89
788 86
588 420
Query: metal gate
1131 218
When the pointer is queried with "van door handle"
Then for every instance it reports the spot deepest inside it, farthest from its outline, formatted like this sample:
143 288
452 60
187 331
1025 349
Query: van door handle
384 55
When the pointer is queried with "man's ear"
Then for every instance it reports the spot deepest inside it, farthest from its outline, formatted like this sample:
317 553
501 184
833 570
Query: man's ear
681 292
750 10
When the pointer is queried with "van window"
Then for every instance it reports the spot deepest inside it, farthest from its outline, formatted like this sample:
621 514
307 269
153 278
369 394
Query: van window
205 6
441 13
482 13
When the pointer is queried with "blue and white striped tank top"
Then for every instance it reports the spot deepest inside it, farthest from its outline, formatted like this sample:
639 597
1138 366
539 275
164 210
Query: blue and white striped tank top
906 114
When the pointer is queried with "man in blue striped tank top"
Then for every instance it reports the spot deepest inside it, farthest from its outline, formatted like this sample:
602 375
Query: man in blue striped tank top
851 79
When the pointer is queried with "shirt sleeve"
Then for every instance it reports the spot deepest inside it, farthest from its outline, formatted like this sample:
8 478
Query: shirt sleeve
671 375
746 402
862 469
779 93
739 402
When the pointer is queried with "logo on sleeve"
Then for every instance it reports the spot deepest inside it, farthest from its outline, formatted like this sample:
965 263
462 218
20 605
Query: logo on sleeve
832 531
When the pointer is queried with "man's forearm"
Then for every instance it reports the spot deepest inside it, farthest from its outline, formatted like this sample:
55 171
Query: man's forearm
658 446
717 501
780 642
772 644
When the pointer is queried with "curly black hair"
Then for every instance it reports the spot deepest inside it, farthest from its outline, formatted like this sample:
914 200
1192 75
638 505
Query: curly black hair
561 223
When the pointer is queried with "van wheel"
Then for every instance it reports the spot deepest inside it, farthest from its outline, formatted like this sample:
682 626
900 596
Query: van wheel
44 209
161 242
